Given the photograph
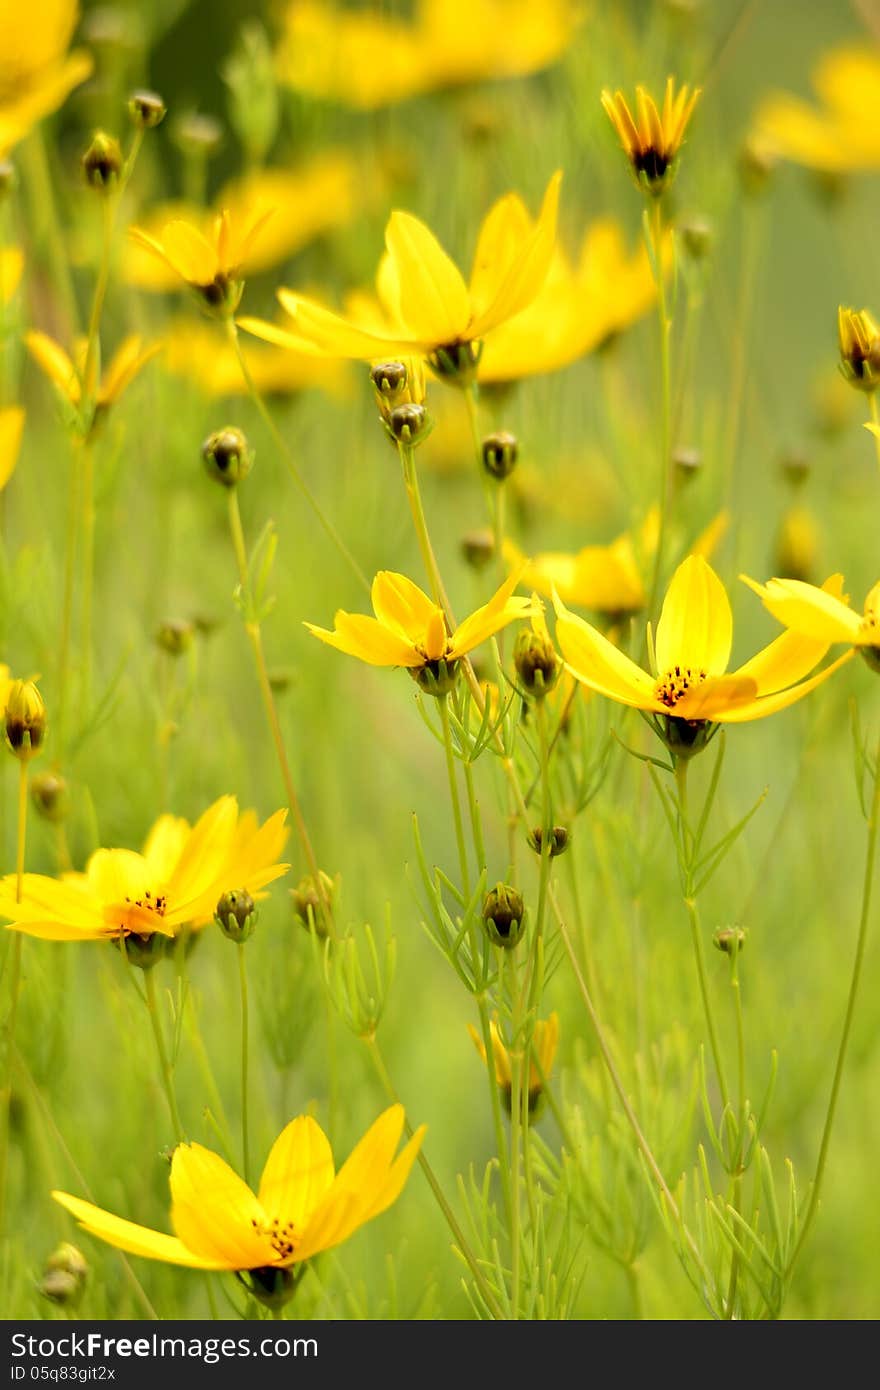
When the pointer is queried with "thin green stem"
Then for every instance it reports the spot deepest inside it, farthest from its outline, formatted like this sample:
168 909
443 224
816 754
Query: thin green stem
165 1069
288 460
252 628
88 569
655 233
70 546
243 992
861 940
457 1233
14 993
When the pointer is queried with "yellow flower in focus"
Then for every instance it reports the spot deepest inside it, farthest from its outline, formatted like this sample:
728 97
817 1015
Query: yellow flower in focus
545 1041
174 883
427 309
579 307
302 1206
691 688
67 374
652 140
11 427
410 630
212 264
306 201
366 60
36 71
842 133
823 615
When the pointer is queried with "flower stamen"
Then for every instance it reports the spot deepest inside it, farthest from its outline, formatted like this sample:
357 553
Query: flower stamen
674 685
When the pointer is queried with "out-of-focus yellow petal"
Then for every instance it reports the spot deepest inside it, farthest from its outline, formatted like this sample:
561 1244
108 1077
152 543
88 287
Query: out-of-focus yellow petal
11 267
11 428
51 358
696 625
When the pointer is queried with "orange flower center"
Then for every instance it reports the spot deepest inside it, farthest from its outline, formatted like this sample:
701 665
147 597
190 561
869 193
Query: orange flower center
675 684
282 1235
138 915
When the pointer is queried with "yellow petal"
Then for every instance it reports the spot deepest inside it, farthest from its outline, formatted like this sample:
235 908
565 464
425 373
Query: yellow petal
807 609
591 658
201 858
337 337
298 1172
696 626
528 270
367 639
712 698
781 699
401 605
214 1213
54 361
136 1240
434 299
11 427
164 845
503 232
494 615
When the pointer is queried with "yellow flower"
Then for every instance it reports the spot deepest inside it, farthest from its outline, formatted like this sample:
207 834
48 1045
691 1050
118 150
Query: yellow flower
428 309
824 615
843 132
366 60
11 427
859 339
652 141
172 884
11 266
410 630
212 264
545 1041
578 308
303 1206
67 375
36 71
306 201
692 688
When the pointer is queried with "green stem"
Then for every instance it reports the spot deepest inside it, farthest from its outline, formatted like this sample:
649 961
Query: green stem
287 458
252 628
243 990
457 1233
165 1069
655 234
861 941
88 568
14 993
70 544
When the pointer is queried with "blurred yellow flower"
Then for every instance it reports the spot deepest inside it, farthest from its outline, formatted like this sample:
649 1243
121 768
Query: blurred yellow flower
427 308
824 615
842 133
652 140
859 341
578 308
36 71
66 374
545 1041
410 630
191 349
366 60
11 427
305 201
212 264
302 1206
692 687
11 267
172 884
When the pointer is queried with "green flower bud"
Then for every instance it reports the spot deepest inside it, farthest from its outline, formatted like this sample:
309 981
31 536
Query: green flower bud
271 1286
146 109
559 839
500 453
236 914
504 916
175 636
435 678
310 899
25 719
685 738
144 952
536 663
49 793
730 940
102 162
389 380
697 236
687 463
456 363
478 547
64 1277
227 456
409 423
197 136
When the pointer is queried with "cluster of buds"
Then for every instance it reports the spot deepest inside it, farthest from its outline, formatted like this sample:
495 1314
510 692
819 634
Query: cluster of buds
399 388
227 456
859 337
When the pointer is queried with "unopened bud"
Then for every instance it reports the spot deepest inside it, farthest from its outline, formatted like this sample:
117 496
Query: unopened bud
409 423
25 719
478 547
144 951
536 662
730 940
310 901
795 467
559 838
504 916
49 794
8 177
236 914
227 456
64 1277
175 636
687 462
697 236
197 135
500 452
102 162
388 378
146 109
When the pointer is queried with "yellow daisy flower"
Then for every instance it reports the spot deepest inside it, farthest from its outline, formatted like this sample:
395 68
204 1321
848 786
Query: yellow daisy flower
67 374
11 428
545 1041
36 71
824 615
691 689
213 265
652 140
410 630
302 1206
428 308
174 883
